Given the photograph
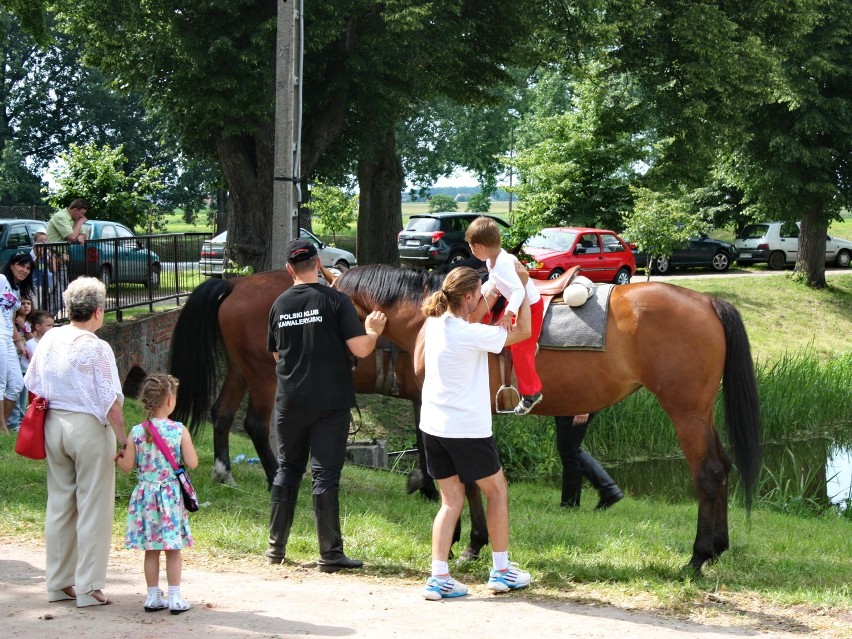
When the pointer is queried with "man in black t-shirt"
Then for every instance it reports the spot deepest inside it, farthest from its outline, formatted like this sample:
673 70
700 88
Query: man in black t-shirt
312 330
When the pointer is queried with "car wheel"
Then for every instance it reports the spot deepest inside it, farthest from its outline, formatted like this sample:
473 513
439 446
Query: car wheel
843 258
622 277
105 275
661 265
342 265
154 276
457 256
776 261
721 262
555 273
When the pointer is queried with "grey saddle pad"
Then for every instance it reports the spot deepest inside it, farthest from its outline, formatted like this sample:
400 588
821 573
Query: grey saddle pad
579 328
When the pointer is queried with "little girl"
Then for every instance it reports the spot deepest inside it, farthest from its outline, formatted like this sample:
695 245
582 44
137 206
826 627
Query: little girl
156 518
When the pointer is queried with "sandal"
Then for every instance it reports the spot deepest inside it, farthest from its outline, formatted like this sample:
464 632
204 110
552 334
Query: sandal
178 604
153 604
94 598
66 594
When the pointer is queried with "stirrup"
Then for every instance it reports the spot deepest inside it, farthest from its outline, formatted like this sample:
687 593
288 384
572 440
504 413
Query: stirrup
507 411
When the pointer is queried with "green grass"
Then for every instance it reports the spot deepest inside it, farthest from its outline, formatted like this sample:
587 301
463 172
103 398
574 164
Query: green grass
631 555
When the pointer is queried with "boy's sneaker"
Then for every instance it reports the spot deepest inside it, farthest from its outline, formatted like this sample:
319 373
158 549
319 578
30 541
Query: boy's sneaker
527 403
437 589
510 579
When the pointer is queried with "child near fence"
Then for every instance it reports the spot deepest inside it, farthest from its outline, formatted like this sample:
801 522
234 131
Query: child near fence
156 518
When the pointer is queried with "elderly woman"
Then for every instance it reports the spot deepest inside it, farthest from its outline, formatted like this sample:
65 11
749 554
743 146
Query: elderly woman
77 374
16 282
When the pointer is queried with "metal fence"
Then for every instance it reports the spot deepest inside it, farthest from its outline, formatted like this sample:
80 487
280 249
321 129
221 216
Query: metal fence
144 270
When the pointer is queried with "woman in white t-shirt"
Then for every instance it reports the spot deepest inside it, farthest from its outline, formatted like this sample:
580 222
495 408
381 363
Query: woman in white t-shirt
456 422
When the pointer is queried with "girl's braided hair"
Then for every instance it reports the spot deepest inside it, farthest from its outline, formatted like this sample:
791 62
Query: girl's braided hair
155 390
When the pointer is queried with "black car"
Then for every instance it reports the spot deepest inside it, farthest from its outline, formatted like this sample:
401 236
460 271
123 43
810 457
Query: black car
699 251
435 239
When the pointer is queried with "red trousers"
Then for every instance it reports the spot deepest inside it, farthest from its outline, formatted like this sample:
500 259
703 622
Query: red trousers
523 353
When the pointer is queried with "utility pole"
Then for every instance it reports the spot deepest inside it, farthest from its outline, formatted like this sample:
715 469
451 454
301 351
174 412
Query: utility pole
288 122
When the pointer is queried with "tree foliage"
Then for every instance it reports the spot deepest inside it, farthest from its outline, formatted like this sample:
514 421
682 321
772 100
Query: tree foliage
97 174
442 203
333 207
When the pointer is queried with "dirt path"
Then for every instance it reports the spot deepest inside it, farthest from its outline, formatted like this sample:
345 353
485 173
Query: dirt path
255 601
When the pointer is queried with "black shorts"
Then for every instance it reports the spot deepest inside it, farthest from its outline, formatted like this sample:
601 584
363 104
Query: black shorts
469 458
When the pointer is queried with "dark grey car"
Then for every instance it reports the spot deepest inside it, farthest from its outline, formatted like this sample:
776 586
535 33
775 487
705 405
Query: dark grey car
435 239
702 251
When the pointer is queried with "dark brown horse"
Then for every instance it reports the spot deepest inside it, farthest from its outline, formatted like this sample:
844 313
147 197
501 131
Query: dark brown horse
677 343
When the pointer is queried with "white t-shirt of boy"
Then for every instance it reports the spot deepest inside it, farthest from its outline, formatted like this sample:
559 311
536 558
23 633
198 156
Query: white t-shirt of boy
456 393
503 277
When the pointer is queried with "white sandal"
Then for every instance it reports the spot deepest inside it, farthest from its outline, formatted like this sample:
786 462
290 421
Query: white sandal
153 604
178 604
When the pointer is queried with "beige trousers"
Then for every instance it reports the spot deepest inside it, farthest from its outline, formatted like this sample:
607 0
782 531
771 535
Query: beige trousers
80 500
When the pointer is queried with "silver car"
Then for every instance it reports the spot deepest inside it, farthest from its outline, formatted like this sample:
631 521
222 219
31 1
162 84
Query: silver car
777 244
213 254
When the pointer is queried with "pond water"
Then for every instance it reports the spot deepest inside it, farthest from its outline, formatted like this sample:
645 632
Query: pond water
819 469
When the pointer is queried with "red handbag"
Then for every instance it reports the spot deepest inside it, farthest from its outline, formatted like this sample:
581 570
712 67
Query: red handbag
30 442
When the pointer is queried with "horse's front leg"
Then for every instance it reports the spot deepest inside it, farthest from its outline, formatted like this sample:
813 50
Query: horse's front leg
478 522
419 478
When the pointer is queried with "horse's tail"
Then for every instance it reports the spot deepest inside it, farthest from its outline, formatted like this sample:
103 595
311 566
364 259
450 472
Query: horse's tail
194 352
742 406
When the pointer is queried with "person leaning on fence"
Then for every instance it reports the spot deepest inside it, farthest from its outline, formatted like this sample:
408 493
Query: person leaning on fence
312 329
456 422
67 226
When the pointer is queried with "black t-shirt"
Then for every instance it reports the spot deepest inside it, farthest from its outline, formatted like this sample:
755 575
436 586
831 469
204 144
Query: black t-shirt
308 327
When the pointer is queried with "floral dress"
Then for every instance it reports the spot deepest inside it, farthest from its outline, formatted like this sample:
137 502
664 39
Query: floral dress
156 518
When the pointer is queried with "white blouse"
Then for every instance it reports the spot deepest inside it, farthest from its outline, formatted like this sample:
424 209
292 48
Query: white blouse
75 370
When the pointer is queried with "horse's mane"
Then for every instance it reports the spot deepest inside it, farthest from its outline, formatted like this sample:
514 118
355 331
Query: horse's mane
383 286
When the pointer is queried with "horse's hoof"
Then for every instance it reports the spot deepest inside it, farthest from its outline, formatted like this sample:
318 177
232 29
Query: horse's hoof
221 474
415 481
469 555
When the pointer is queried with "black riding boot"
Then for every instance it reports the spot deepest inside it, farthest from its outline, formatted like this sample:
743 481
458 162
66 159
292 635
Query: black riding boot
608 490
283 508
572 486
327 516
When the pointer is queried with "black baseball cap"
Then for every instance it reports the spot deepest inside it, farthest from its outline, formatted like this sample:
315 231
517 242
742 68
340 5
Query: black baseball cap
300 250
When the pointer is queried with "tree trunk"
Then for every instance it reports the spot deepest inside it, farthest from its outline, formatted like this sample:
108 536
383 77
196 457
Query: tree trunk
380 181
810 262
247 163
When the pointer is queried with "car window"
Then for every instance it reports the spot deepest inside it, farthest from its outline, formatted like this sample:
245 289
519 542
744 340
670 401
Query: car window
552 239
86 230
589 241
789 229
108 231
303 234
123 231
422 224
753 232
611 244
18 236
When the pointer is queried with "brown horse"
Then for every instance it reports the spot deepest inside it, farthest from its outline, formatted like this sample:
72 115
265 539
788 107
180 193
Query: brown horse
677 343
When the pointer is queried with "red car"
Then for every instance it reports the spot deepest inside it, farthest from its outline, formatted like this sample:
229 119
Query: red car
602 255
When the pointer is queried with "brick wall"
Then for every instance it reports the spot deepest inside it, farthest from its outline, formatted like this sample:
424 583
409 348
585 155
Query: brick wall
141 346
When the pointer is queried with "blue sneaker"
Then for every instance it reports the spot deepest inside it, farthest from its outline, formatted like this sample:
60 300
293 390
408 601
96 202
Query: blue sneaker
510 579
437 589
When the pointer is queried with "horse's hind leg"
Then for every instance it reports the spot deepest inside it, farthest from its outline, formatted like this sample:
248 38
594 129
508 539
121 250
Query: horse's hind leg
478 522
710 466
419 478
222 415
257 427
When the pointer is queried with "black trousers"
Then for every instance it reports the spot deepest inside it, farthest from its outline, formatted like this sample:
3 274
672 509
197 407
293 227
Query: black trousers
320 435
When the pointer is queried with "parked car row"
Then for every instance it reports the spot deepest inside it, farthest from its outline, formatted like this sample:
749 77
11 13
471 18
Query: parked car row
213 259
701 251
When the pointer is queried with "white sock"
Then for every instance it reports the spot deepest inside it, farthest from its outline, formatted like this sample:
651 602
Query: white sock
174 592
500 560
153 592
440 568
